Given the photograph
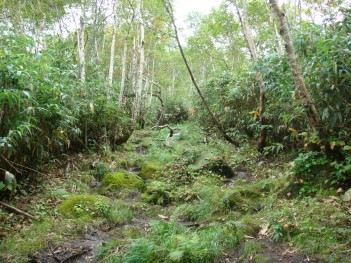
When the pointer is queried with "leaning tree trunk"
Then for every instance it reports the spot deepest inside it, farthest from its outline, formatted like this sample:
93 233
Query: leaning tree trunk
169 10
253 52
312 113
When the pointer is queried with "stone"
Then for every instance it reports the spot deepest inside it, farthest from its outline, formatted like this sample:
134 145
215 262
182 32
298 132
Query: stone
347 196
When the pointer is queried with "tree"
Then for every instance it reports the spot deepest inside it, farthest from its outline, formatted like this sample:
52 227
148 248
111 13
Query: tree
214 119
312 113
113 44
253 52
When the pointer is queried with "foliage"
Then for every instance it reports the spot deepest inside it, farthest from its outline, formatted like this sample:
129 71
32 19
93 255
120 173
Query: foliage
120 213
175 112
100 170
170 242
314 172
158 193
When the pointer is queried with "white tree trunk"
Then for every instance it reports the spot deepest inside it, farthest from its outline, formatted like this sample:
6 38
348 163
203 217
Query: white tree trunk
132 71
81 47
113 46
253 52
137 102
123 77
152 82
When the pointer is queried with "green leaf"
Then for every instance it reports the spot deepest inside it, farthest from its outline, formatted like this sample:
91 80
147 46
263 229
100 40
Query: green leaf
27 93
347 148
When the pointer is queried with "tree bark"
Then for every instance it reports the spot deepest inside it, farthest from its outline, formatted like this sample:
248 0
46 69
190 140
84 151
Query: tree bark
312 113
253 52
113 46
137 101
213 117
81 46
123 77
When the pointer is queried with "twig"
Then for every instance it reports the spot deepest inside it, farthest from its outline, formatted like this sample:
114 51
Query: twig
18 210
20 165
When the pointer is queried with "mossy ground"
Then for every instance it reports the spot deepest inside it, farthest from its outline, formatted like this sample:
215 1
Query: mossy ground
190 213
121 179
87 206
150 170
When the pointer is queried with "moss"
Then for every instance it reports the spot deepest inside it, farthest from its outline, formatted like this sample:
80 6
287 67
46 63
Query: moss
86 206
248 226
209 161
233 199
249 191
121 179
150 170
241 199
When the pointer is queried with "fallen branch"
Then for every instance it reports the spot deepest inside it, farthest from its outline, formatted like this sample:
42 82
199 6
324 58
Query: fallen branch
18 210
171 130
13 164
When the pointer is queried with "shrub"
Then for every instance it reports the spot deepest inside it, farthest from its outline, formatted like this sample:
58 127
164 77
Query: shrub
158 193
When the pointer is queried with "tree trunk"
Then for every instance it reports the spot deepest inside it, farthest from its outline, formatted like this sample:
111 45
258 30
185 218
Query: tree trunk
312 113
253 52
133 66
213 117
81 46
139 89
113 45
123 77
152 81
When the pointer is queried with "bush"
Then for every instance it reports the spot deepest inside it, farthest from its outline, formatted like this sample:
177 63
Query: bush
158 193
311 171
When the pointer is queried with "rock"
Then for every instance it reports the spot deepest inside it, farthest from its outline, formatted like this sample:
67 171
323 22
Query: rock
347 196
88 206
216 164
121 179
234 200
150 170
242 198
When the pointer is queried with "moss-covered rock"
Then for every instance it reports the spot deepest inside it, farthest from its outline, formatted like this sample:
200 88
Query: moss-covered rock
233 200
150 170
248 226
89 206
248 191
241 199
121 179
209 161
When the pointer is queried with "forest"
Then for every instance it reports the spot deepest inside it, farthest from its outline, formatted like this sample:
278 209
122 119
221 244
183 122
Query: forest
128 136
